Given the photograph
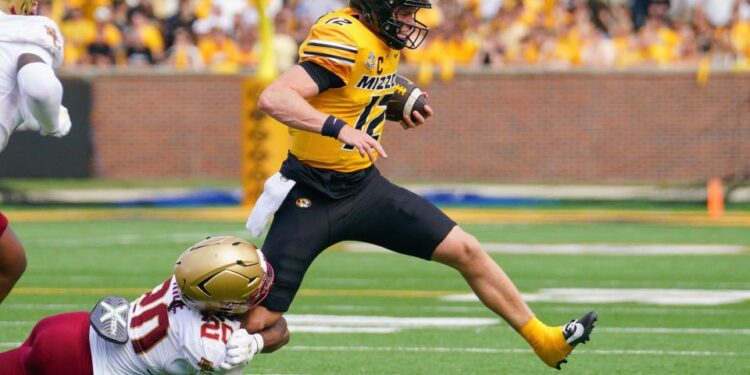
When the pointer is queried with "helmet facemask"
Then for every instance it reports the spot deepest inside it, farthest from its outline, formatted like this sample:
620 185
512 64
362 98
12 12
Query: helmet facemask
411 39
381 14
265 286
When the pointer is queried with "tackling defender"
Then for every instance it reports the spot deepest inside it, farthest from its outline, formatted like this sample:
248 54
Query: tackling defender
189 324
328 189
30 99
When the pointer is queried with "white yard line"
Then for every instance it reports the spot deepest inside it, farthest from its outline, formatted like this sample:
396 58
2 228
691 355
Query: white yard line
388 324
490 247
388 321
300 323
344 309
664 310
675 331
332 328
370 309
309 323
348 330
580 249
675 297
423 349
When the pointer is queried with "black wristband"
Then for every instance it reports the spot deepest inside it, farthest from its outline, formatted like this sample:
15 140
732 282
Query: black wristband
332 127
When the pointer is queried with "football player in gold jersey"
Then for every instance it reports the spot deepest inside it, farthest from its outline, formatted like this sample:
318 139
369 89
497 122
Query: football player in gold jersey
334 103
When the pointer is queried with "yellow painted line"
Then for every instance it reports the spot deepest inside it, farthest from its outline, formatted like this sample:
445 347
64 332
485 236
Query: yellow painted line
461 215
32 291
65 215
466 216
77 214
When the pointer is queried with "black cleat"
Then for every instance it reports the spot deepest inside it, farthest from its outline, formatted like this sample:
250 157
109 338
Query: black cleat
578 331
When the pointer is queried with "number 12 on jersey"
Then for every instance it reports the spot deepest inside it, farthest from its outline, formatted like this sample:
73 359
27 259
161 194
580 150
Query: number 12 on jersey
369 128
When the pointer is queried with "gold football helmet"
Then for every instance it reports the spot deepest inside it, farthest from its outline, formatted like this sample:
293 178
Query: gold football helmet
223 275
19 7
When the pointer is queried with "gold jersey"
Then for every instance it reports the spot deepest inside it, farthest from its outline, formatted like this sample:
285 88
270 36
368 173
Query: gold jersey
342 44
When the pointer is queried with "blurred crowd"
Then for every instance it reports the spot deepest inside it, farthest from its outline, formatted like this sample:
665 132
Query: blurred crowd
222 35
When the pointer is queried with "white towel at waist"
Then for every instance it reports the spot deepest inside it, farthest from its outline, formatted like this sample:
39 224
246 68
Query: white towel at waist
275 190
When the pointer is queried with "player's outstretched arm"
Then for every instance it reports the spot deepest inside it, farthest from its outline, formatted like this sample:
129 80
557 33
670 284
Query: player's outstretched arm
284 100
42 92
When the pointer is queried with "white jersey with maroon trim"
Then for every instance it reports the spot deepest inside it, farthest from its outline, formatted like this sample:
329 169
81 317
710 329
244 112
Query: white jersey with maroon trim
166 337
18 35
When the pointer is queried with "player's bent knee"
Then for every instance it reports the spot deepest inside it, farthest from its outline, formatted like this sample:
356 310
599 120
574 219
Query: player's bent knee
458 250
470 249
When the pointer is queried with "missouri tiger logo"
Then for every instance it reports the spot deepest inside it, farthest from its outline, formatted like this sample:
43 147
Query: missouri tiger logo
303 203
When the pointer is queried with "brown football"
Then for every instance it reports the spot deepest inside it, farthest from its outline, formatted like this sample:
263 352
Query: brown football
406 99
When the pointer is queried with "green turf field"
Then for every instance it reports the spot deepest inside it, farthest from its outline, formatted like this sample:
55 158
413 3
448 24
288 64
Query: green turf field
373 301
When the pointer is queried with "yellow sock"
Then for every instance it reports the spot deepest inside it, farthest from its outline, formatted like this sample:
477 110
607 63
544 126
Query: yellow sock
548 342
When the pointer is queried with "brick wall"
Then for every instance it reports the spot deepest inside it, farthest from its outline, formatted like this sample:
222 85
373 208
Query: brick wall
580 127
169 126
506 127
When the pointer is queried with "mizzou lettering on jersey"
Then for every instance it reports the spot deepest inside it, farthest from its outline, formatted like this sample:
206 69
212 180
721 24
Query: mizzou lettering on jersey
377 83
342 44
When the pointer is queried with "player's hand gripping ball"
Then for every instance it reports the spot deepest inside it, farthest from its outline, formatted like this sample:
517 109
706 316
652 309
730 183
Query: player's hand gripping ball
406 99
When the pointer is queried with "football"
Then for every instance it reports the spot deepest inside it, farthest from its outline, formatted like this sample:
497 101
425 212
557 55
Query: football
406 99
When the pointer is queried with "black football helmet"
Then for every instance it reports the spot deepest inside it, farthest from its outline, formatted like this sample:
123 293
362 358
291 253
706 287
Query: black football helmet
379 13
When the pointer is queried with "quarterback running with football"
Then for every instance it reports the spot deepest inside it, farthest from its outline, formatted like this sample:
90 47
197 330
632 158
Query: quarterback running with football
190 324
328 189
30 99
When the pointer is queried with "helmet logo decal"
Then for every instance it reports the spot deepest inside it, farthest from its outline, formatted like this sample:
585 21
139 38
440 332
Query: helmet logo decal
222 284
303 203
